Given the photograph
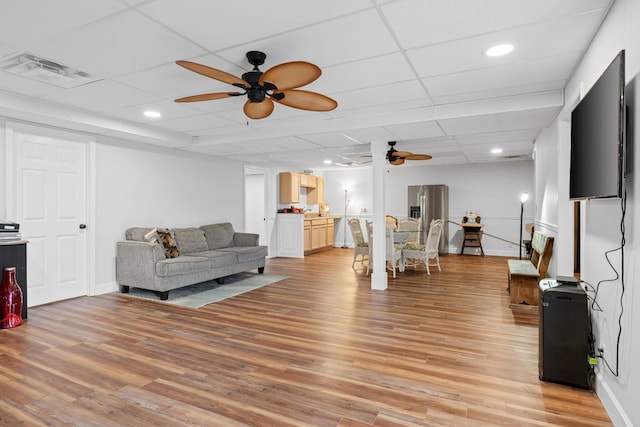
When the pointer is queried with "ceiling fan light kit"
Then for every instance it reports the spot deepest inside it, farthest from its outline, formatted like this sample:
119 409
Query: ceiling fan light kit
278 84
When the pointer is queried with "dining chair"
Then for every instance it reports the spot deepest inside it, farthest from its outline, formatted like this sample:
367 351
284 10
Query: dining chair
411 224
393 252
361 246
392 220
424 253
369 226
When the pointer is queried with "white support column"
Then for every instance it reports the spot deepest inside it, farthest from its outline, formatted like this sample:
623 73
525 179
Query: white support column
379 275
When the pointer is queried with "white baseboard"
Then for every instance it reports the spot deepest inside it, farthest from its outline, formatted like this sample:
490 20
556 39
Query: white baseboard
611 403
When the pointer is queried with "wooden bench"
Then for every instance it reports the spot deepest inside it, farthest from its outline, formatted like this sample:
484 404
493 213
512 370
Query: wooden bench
525 274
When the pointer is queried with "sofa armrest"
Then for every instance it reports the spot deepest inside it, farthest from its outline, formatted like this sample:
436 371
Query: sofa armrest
136 262
245 239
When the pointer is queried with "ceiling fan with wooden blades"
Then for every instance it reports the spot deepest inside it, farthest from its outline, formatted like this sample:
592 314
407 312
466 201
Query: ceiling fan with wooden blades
278 84
396 157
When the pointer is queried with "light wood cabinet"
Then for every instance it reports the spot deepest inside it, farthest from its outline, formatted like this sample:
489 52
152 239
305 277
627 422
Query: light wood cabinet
292 182
289 187
307 236
318 234
316 195
308 181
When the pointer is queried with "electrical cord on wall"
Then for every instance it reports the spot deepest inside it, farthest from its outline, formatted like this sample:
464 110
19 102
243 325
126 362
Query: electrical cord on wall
594 304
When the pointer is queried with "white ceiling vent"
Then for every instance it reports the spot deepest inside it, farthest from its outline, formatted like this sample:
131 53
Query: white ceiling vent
46 71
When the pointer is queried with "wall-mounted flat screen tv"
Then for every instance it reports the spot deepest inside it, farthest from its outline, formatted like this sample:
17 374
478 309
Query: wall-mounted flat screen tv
597 137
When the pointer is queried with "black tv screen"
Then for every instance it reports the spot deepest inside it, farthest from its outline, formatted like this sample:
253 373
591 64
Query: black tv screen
597 137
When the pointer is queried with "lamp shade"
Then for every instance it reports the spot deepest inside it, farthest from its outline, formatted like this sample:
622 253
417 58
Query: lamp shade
524 197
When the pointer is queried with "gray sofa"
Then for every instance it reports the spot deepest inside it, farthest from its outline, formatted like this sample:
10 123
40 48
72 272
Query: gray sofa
209 252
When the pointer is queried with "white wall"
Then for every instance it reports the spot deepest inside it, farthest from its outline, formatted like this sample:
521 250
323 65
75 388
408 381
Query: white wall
601 219
492 189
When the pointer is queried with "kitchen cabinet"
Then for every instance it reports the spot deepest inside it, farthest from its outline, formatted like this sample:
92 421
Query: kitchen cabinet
318 233
307 236
291 184
289 187
308 181
316 195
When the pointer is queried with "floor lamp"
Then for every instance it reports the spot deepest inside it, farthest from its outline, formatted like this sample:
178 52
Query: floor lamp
523 199
346 203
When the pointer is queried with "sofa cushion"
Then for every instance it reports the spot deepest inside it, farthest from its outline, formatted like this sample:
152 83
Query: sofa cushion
218 258
137 233
190 240
218 235
168 242
247 253
184 264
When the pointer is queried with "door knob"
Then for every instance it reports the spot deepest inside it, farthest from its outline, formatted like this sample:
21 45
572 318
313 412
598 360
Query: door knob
83 226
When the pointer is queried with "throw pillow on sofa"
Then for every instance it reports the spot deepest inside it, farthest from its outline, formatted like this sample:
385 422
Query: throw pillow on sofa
168 242
190 240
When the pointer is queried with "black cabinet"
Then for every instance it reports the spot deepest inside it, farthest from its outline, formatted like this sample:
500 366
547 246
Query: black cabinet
564 336
14 254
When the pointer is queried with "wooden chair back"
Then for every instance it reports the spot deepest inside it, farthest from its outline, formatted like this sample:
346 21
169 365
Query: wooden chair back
542 247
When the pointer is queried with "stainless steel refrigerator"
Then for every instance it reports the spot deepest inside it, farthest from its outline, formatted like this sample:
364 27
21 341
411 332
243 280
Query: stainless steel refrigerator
429 202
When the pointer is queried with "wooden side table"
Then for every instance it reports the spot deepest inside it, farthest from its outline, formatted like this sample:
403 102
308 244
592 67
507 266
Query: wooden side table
14 254
472 237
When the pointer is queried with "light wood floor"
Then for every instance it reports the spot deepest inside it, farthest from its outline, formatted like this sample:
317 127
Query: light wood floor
319 349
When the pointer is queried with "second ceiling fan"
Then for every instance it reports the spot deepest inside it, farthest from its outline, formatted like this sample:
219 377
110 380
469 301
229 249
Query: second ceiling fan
278 84
396 157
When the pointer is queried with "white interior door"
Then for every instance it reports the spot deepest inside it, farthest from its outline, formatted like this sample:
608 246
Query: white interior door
50 181
255 216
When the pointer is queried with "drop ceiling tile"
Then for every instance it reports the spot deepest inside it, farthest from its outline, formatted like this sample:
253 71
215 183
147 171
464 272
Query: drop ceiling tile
532 42
381 70
37 15
24 86
515 75
416 130
213 24
168 109
101 96
195 124
311 43
385 95
140 44
446 20
173 81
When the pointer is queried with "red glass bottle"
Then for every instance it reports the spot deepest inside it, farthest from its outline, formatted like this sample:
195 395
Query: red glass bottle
10 300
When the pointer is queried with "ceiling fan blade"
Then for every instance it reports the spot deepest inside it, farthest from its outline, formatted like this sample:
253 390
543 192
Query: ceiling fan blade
306 100
403 154
397 161
258 110
291 75
214 73
418 157
208 96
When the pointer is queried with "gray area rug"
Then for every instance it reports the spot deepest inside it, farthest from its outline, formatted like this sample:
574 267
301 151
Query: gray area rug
201 294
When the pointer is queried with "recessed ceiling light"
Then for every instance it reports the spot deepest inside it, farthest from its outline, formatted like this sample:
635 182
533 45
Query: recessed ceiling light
496 150
152 114
327 162
499 50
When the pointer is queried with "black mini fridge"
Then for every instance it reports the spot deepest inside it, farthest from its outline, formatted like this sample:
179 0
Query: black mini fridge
565 329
